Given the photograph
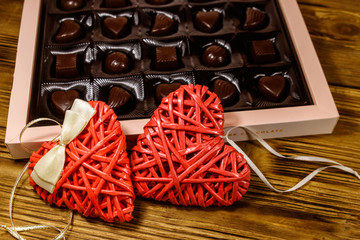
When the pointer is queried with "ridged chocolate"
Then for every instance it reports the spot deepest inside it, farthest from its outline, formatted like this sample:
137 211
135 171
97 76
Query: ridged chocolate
207 22
71 5
115 27
66 65
215 56
62 101
272 88
166 58
119 99
117 62
263 52
226 91
255 19
69 31
164 89
163 25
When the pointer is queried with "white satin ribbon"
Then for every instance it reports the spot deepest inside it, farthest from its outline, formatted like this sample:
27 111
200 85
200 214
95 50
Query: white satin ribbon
49 168
298 158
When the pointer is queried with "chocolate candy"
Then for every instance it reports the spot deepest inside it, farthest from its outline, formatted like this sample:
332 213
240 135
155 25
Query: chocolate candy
207 21
67 65
116 62
215 56
164 89
119 99
226 91
163 25
272 88
255 19
158 2
70 5
62 101
166 58
263 52
115 3
69 31
115 27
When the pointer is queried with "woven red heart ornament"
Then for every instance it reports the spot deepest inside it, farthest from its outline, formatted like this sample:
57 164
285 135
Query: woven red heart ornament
181 157
96 177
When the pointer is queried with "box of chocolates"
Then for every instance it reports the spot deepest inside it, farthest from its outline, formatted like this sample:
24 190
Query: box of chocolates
256 55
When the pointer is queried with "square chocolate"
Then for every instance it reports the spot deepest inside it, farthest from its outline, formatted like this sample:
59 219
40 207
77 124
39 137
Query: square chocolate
263 52
66 65
166 58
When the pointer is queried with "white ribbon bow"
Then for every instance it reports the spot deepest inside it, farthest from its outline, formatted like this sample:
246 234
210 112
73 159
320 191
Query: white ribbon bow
49 168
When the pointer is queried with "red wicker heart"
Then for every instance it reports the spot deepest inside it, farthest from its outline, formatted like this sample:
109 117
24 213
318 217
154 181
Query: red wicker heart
180 157
96 177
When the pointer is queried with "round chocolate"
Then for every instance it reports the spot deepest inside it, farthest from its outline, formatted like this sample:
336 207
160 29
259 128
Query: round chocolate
69 31
117 62
158 2
70 5
115 27
215 56
226 91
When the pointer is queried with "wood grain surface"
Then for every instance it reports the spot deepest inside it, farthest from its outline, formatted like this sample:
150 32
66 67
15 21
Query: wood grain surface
326 208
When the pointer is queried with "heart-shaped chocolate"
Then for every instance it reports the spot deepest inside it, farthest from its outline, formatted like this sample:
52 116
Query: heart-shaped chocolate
255 19
69 31
163 25
62 101
115 27
181 158
164 89
272 88
207 22
96 179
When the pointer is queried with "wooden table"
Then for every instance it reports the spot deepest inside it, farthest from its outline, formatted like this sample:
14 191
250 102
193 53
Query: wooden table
326 208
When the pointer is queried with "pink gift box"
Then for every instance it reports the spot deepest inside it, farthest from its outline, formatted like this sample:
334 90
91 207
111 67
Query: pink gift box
318 118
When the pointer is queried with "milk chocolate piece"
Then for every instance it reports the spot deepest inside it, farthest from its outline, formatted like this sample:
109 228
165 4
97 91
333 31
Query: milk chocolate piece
67 65
166 58
116 62
215 56
164 89
71 5
158 2
69 31
226 91
272 88
115 27
207 22
163 25
119 99
263 52
255 19
115 3
62 101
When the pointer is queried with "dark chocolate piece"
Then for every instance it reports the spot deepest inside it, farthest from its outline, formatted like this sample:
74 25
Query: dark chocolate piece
207 21
119 99
215 56
255 19
115 3
67 65
62 101
69 31
166 58
272 88
158 2
226 91
163 25
116 62
164 89
115 27
70 5
263 52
